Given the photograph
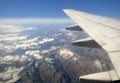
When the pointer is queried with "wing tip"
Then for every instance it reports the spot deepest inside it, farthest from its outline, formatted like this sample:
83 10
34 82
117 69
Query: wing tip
65 10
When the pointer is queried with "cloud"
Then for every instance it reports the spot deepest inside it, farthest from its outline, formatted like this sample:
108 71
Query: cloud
48 50
11 58
29 43
21 42
45 40
14 28
33 40
34 20
26 46
17 42
9 28
10 74
29 55
22 46
11 38
35 54
32 43
12 43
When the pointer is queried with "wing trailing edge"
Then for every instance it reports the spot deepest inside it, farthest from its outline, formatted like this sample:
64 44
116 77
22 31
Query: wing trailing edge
86 42
107 76
74 28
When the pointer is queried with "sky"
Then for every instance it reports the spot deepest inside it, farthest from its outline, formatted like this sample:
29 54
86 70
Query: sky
53 9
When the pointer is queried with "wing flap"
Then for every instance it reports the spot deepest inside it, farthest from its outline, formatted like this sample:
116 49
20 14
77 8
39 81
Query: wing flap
114 56
102 76
74 28
86 42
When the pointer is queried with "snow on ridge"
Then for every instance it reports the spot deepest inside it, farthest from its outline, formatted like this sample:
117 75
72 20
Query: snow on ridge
98 65
71 34
65 53
49 60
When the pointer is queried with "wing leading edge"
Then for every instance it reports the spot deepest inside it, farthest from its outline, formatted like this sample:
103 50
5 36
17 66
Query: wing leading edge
106 32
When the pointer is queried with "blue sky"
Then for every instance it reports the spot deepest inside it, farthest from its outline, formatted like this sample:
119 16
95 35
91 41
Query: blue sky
54 8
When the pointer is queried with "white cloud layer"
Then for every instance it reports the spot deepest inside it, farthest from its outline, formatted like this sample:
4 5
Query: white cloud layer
12 42
13 58
10 74
32 43
35 54
34 20
14 28
45 40
51 49
11 38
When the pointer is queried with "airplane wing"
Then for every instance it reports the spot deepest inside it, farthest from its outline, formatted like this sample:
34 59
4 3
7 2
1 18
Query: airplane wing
104 32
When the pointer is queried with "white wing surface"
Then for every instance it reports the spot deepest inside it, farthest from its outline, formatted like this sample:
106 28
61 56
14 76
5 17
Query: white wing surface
106 32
